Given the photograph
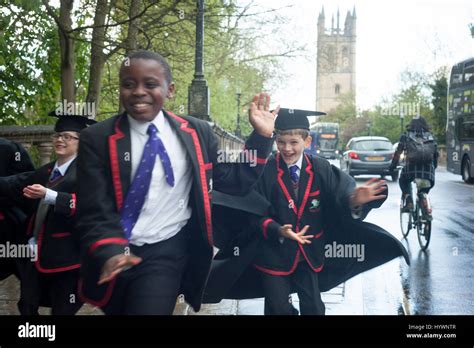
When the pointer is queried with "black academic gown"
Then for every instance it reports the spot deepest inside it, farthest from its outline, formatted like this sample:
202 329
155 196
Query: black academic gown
104 177
234 274
13 160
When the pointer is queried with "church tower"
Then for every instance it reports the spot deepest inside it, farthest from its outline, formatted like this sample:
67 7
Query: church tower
336 61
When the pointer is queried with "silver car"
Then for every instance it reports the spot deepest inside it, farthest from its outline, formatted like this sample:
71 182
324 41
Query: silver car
368 155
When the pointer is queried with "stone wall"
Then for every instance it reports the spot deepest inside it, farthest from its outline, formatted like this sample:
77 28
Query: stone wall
40 137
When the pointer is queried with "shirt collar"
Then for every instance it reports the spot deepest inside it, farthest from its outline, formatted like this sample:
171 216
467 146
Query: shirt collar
298 163
63 167
142 127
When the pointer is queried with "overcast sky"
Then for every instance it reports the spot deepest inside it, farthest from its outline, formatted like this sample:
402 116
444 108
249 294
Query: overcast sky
391 36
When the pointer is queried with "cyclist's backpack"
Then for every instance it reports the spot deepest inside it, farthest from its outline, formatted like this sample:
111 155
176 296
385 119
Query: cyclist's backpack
421 148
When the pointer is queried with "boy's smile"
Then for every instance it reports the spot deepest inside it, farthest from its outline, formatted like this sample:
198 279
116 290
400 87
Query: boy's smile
144 89
291 147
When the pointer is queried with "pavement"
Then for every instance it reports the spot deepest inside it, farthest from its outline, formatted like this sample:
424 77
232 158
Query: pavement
346 299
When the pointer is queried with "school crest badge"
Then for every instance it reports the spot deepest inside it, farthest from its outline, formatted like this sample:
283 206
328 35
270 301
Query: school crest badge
314 207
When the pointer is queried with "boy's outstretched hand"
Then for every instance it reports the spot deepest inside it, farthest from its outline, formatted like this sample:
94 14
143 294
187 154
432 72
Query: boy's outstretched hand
368 192
261 119
287 232
115 265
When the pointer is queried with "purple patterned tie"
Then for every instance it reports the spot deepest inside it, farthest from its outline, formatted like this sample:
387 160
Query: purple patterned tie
141 183
294 178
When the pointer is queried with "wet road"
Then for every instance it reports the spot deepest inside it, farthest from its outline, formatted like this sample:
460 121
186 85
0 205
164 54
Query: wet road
440 280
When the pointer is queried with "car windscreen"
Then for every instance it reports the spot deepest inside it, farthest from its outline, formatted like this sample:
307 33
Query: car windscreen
372 145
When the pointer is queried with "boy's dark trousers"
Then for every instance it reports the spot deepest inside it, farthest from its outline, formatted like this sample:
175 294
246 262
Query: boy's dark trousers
57 290
152 286
278 289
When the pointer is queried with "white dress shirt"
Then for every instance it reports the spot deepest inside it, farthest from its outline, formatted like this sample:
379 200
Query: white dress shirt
165 210
51 195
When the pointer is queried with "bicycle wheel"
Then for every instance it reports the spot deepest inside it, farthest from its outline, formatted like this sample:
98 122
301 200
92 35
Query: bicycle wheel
423 229
405 222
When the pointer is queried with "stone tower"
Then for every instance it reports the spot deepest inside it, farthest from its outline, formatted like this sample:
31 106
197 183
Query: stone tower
336 61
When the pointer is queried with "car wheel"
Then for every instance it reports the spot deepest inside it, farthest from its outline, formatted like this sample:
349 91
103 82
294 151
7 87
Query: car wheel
466 171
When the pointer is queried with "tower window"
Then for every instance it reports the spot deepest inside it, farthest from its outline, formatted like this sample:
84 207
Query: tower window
337 89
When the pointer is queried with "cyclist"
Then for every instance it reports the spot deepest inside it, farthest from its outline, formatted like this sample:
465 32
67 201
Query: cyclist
421 161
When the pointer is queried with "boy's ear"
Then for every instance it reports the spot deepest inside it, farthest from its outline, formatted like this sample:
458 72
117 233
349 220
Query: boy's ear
307 142
170 92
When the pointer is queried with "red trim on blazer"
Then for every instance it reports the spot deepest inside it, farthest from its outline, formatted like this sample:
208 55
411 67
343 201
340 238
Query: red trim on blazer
74 201
308 188
282 184
60 235
114 163
208 166
100 242
280 273
2 217
50 270
315 193
103 301
202 173
264 227
317 269
319 234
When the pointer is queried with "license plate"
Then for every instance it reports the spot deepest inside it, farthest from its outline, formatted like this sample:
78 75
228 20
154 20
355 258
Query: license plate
375 158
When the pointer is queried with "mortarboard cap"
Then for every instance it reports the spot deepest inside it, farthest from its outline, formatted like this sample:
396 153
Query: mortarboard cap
70 122
294 118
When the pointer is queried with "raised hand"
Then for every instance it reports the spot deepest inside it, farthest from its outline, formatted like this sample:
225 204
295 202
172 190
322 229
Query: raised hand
368 192
261 119
287 232
115 265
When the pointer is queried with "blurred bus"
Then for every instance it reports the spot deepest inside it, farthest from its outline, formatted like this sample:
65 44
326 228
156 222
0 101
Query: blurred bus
460 120
325 140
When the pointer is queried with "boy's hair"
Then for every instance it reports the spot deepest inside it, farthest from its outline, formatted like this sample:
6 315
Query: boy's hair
303 132
142 54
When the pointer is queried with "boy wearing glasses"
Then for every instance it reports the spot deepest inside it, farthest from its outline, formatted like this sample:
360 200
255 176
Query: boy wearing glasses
50 275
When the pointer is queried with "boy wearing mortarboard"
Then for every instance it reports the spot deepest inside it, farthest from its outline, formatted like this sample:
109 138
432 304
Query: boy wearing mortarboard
49 193
310 202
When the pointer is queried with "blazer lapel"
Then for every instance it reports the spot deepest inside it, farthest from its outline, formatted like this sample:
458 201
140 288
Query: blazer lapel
306 179
285 183
186 137
120 148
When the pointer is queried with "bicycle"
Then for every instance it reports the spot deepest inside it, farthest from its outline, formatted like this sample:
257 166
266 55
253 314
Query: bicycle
418 217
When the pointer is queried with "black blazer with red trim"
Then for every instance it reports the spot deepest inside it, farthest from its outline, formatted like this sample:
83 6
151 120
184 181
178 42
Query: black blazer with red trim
104 169
58 245
281 257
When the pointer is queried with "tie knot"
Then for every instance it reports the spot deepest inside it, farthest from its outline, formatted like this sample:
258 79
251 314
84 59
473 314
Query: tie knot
152 129
56 174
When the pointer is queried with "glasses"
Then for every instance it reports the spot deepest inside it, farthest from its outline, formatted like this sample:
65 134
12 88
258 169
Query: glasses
66 137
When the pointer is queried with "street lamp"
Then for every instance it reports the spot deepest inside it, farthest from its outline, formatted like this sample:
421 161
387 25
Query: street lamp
238 131
401 121
369 125
198 92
